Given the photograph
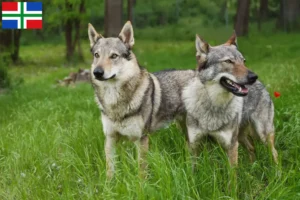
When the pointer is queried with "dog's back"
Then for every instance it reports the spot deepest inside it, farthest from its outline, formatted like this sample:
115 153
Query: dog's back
172 83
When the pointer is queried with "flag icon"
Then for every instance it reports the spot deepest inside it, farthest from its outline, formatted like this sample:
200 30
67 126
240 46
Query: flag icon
22 15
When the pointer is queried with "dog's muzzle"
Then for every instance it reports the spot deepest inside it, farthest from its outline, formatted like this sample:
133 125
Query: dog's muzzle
252 77
98 73
233 87
238 89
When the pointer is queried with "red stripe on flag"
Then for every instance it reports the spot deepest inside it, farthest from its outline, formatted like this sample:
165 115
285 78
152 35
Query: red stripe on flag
34 24
9 6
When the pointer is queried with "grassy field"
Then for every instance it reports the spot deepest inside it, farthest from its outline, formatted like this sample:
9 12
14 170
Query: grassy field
51 144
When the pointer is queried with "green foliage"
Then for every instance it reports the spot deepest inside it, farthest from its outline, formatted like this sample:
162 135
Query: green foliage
56 13
210 10
185 29
95 13
147 13
153 13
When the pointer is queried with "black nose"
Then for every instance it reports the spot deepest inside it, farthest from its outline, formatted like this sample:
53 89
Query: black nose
98 72
252 77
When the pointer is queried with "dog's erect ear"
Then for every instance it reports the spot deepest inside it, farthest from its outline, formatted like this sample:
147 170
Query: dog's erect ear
201 46
202 51
232 40
126 34
93 35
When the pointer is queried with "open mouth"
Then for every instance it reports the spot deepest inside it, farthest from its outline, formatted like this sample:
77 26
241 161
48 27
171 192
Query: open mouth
233 87
105 79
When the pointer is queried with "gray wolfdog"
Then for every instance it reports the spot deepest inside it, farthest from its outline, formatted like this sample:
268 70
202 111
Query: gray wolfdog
219 110
132 101
214 97
257 117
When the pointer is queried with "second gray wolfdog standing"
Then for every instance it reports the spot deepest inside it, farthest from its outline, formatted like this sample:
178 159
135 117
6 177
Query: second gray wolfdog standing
257 116
132 101
216 108
213 98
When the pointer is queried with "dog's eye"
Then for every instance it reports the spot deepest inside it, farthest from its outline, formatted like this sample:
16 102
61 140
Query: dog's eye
244 60
228 61
96 55
113 56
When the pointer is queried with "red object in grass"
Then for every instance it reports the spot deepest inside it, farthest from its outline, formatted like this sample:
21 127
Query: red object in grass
276 94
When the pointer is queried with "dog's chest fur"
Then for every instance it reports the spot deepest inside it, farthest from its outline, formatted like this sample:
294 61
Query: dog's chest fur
120 100
211 107
121 105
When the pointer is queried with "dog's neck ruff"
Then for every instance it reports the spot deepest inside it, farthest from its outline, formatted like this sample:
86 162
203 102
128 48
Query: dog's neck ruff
121 100
211 105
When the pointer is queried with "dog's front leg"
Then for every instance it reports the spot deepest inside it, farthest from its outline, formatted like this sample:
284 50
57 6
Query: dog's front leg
232 153
194 137
142 150
271 143
232 146
110 149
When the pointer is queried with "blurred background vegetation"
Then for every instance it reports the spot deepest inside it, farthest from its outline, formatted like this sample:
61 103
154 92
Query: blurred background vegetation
65 22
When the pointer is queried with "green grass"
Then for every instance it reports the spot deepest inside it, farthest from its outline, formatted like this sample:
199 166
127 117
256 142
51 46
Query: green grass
51 144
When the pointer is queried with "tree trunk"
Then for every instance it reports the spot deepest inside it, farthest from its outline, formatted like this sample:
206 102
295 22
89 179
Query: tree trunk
130 10
16 45
224 12
289 15
77 22
68 37
280 21
242 17
113 17
68 33
10 44
263 12
74 24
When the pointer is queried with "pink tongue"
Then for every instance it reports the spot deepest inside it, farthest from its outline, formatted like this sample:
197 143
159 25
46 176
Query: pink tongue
245 90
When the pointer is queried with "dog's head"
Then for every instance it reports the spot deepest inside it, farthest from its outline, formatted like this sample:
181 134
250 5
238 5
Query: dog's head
113 56
225 65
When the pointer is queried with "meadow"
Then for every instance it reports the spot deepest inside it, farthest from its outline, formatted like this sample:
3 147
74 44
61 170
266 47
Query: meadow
52 145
